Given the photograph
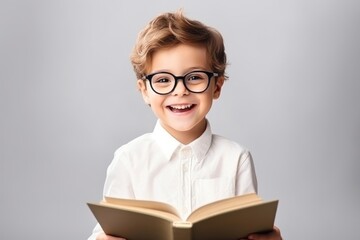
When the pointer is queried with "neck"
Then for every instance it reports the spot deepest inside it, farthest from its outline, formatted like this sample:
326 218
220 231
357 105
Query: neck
186 137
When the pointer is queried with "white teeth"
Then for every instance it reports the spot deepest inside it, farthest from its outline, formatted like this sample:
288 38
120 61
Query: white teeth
181 106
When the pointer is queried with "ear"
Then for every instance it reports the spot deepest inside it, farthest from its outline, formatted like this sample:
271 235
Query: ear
141 85
218 85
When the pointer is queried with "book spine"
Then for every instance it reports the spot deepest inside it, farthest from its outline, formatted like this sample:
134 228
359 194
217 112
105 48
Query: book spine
182 231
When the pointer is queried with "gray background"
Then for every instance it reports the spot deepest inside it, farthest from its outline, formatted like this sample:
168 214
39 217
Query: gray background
68 100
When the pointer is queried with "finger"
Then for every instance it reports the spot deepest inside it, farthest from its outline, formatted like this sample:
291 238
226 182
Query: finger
103 236
273 235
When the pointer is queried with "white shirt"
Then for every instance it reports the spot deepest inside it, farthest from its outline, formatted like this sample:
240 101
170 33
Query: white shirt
155 166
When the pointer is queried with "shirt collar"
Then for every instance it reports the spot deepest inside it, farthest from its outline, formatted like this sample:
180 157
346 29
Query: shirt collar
169 144
201 145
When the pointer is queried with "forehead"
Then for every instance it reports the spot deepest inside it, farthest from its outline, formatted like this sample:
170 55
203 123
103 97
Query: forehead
179 59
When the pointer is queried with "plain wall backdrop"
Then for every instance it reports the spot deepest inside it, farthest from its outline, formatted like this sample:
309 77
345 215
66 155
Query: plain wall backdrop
68 99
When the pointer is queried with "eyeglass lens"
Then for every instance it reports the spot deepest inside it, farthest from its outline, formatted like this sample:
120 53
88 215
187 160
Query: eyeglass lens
164 83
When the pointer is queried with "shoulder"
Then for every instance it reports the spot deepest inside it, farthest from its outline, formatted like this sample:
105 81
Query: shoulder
142 142
222 142
229 148
132 153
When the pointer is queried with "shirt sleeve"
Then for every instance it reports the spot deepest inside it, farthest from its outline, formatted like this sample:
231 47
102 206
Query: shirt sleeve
246 177
117 183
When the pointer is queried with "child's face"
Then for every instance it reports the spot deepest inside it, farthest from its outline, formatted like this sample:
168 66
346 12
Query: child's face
181 113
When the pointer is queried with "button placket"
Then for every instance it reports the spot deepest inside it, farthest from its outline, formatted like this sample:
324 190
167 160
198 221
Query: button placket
185 157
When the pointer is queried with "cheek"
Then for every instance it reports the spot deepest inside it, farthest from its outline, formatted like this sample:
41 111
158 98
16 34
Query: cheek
211 94
155 100
206 101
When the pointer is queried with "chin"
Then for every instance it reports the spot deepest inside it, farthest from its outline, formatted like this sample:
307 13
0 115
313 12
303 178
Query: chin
182 128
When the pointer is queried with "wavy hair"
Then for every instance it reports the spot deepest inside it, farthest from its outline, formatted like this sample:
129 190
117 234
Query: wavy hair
171 29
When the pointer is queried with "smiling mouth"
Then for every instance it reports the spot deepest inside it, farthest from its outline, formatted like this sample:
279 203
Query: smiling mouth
181 108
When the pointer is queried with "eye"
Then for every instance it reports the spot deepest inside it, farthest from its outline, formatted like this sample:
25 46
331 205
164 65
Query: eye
195 76
162 78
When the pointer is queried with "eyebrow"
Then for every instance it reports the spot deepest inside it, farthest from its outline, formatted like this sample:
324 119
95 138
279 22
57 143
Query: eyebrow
184 72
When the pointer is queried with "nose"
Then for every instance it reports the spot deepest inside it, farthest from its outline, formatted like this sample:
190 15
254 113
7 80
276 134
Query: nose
180 88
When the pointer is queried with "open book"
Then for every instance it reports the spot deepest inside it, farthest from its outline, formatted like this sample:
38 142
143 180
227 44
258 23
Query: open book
226 219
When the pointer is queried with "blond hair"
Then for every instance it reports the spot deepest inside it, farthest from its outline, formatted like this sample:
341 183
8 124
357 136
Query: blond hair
170 29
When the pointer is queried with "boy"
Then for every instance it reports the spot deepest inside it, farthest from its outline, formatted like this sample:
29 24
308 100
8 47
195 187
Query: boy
180 67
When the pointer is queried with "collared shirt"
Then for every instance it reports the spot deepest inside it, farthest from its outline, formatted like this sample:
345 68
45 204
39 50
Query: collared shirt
155 166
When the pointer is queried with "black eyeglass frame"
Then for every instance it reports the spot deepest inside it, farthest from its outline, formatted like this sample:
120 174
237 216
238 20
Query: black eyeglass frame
209 75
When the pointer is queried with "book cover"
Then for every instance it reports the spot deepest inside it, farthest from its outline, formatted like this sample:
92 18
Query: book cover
226 219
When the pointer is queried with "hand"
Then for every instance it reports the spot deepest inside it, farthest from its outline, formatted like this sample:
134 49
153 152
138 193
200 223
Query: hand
273 235
103 236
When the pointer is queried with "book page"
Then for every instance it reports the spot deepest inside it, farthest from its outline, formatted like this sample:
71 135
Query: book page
237 223
144 211
158 206
132 223
224 205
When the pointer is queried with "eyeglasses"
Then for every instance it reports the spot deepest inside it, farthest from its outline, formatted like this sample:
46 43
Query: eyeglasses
164 82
